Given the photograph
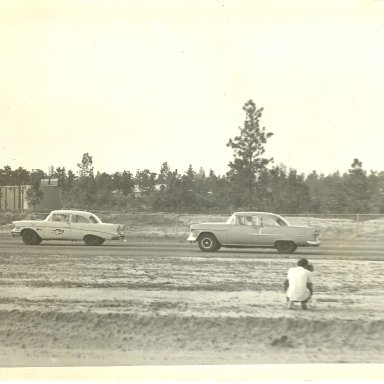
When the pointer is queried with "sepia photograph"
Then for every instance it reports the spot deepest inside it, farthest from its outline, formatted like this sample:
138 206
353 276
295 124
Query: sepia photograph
191 190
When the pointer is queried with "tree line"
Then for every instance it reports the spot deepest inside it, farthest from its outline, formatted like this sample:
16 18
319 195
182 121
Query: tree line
252 182
277 189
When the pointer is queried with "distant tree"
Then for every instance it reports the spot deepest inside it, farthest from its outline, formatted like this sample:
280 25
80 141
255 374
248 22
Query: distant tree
35 194
36 176
86 183
271 188
127 183
187 194
103 182
5 175
70 180
248 150
356 183
376 191
165 171
332 194
296 193
86 166
146 181
216 191
20 176
313 182
161 199
61 174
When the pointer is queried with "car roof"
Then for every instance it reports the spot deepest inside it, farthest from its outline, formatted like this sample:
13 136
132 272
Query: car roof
75 212
251 213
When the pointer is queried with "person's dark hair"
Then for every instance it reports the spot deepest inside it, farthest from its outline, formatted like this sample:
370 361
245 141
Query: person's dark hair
302 263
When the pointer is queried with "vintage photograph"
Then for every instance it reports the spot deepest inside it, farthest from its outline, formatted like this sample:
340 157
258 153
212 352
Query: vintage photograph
191 183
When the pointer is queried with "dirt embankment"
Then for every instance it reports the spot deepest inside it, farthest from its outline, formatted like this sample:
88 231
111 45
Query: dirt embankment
163 303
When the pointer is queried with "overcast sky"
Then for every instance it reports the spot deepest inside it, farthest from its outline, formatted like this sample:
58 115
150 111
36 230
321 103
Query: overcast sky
138 83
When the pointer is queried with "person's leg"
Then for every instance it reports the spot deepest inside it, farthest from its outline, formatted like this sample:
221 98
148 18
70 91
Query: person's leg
304 303
289 303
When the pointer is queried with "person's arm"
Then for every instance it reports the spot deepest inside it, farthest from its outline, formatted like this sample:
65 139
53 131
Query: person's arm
309 282
310 287
286 284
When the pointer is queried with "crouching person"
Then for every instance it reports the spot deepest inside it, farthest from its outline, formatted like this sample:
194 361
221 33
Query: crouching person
298 285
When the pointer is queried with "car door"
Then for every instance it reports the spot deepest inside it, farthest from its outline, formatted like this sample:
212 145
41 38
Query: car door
59 227
270 231
245 231
81 226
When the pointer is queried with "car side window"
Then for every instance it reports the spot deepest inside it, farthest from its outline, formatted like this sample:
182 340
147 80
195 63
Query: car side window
79 219
92 220
267 222
247 220
60 217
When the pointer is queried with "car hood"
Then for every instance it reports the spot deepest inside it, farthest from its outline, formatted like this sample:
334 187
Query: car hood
27 222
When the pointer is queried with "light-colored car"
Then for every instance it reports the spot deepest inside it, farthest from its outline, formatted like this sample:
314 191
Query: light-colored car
67 225
253 230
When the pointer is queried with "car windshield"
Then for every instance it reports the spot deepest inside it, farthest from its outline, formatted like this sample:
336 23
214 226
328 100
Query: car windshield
231 220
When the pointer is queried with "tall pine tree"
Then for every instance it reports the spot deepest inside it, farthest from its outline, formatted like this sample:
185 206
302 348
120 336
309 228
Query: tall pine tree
248 162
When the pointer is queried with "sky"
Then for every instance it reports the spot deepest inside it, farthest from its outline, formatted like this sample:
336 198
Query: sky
139 83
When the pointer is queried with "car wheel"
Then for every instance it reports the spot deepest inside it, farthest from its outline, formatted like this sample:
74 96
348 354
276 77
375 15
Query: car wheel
30 237
285 246
208 243
93 240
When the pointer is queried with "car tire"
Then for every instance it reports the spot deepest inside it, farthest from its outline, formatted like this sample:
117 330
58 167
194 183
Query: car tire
208 243
93 240
285 246
30 237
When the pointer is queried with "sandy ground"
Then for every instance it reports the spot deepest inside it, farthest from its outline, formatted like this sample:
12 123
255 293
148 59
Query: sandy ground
165 304
168 304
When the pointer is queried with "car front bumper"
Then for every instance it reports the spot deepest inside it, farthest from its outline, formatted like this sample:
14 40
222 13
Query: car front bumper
192 238
16 232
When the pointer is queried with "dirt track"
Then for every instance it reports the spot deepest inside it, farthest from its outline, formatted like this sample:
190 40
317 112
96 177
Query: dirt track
153 303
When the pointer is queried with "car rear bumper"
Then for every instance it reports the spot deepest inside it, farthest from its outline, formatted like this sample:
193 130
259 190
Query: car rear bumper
118 237
313 243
